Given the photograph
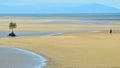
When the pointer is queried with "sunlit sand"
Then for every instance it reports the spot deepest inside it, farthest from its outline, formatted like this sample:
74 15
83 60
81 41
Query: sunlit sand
74 50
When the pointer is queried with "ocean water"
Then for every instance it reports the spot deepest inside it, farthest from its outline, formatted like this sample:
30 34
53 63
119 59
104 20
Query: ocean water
111 16
87 18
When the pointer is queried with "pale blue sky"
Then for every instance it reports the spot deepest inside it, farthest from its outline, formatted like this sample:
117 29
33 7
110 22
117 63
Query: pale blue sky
112 3
39 3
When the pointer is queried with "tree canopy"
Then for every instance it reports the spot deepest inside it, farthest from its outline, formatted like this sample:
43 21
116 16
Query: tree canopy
12 25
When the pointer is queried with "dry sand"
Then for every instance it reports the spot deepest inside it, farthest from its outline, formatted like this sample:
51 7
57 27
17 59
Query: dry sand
78 50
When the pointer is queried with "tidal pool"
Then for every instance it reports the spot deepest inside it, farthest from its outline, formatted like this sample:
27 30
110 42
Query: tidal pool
19 58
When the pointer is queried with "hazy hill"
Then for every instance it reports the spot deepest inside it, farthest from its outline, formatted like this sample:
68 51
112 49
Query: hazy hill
60 8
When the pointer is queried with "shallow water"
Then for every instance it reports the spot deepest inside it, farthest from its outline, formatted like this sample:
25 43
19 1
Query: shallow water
21 34
18 58
79 15
24 34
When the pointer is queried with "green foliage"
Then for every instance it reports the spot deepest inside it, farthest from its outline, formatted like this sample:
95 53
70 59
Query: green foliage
12 25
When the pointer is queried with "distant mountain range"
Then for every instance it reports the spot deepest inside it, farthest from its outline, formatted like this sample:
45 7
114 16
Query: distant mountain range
60 8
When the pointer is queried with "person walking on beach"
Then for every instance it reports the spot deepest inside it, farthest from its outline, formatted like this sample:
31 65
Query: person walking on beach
110 31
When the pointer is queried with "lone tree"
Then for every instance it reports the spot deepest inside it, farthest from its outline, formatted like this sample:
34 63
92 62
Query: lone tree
12 26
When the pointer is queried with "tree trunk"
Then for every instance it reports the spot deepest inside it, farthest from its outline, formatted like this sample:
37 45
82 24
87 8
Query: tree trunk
12 30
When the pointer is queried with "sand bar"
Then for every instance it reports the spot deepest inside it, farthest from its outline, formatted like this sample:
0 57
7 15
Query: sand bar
77 50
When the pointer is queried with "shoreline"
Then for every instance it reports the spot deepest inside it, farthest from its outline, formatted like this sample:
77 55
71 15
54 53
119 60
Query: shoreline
42 59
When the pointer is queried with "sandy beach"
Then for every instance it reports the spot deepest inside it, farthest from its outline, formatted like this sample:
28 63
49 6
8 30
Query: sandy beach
76 50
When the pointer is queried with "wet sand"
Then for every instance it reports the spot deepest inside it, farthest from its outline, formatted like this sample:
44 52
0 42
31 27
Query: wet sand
74 50
27 20
56 27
